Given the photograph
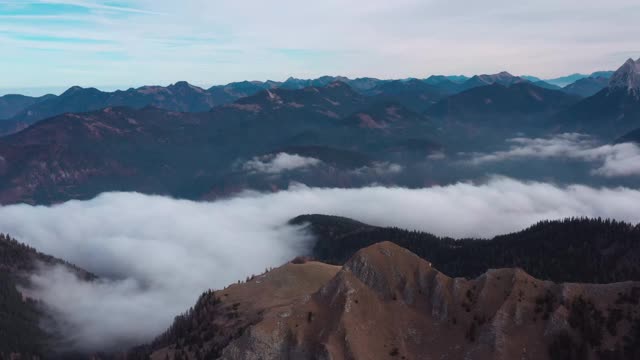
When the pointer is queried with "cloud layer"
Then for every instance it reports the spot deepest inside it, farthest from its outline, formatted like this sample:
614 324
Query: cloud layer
613 160
278 163
159 254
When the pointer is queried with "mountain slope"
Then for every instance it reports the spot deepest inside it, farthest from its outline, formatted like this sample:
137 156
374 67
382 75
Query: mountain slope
386 302
417 95
570 79
488 113
12 105
586 87
632 136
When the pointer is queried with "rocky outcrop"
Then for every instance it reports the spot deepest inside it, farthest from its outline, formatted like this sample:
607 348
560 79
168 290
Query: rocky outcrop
386 302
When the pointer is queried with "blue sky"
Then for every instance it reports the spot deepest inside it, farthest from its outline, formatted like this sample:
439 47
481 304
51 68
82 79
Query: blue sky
54 44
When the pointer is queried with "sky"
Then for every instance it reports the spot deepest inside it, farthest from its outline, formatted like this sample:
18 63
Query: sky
54 44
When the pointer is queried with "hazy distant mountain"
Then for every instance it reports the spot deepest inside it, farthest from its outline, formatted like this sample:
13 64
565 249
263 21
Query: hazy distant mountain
494 103
445 83
546 85
12 105
445 79
533 79
604 74
457 78
570 79
613 111
566 80
587 87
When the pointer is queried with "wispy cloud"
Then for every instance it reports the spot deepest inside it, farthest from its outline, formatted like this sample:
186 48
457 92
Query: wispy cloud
614 160
278 163
90 5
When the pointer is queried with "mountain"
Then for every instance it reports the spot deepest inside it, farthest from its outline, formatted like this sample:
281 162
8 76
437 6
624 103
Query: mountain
361 85
613 111
604 74
587 87
224 94
180 96
566 80
297 84
387 116
417 95
386 302
336 99
499 107
627 78
445 79
12 105
570 79
365 84
457 78
573 250
503 78
546 85
530 78
445 83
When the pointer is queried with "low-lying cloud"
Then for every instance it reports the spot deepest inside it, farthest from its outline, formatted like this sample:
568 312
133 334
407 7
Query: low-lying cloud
158 254
613 160
278 163
378 169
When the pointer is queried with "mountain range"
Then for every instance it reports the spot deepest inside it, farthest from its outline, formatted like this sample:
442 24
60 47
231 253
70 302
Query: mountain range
196 149
18 112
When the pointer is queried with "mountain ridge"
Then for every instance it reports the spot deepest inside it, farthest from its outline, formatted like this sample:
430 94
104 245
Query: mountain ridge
504 313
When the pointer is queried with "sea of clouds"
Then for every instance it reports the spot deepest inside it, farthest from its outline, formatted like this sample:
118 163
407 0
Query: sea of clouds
156 254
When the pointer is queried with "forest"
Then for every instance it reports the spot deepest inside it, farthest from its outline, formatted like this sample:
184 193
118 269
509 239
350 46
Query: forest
570 250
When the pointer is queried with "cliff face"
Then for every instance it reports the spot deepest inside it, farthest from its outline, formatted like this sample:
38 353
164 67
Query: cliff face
388 303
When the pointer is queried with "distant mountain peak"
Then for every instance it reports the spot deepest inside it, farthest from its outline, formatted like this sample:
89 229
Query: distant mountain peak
186 86
72 90
627 77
